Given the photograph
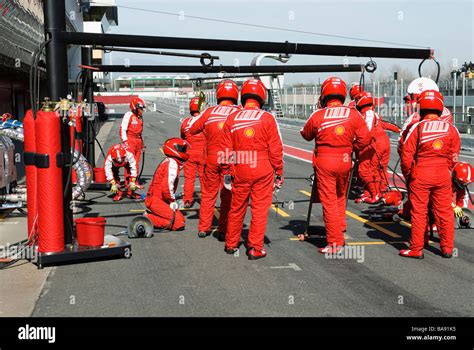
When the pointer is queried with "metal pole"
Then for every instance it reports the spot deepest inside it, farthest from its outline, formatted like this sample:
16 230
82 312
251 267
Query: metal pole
454 95
88 82
378 93
395 100
57 76
463 99
401 101
304 101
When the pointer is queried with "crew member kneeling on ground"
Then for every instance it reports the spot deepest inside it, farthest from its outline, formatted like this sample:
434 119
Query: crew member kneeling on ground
253 137
118 157
160 201
336 130
428 155
195 164
463 173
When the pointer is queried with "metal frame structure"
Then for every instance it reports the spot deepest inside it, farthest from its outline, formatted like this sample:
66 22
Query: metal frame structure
57 63
330 68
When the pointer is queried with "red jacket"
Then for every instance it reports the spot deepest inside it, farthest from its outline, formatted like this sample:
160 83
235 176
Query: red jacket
131 127
336 130
165 181
430 142
129 161
461 198
415 118
197 141
211 123
253 132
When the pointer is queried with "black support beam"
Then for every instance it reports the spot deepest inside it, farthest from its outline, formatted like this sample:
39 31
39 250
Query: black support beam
57 75
201 44
331 68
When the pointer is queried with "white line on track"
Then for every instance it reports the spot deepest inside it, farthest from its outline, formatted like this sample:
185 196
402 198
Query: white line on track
289 266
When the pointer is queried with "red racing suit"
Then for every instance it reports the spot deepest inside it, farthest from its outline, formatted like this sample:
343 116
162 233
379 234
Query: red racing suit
161 194
131 134
336 131
382 149
368 171
428 155
211 124
415 118
112 171
253 137
195 164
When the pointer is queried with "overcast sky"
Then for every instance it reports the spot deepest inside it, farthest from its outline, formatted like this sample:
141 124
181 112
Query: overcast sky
445 26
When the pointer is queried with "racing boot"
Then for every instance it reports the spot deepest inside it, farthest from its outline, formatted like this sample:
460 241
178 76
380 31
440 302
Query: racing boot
133 195
118 196
230 250
331 249
446 253
409 253
255 254
203 234
364 198
373 200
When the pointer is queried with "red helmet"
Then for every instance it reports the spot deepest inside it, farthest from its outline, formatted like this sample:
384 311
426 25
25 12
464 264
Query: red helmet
227 90
254 89
431 100
392 198
194 105
355 91
333 87
364 99
6 116
119 155
137 103
176 148
463 173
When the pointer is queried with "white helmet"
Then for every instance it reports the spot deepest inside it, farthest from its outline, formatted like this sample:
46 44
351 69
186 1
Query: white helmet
419 85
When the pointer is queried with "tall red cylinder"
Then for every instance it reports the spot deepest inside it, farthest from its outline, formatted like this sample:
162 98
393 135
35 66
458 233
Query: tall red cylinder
49 183
30 171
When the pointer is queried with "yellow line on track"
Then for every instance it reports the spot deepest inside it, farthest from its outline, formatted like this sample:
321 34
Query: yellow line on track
137 210
365 221
280 212
306 193
373 225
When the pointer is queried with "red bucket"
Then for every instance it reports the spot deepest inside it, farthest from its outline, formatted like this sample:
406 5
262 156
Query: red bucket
90 231
99 175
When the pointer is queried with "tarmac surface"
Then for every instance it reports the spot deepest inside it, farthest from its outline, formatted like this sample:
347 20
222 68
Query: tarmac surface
178 274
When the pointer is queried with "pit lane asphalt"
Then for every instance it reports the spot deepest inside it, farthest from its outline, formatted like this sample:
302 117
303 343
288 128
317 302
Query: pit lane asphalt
177 274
